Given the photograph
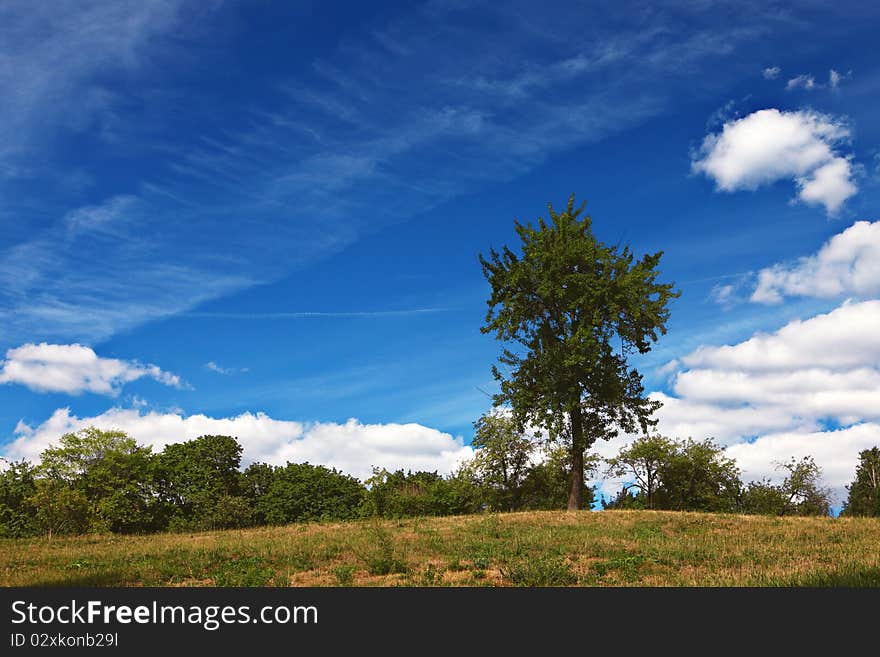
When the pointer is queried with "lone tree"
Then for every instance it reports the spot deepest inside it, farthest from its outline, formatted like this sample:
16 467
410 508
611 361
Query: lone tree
573 309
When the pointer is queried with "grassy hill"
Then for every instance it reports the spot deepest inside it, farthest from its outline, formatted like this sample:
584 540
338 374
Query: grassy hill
611 548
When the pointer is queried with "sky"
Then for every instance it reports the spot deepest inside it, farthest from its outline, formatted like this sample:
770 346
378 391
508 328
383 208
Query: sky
264 219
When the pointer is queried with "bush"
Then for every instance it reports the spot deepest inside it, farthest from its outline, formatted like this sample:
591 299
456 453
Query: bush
404 494
383 558
18 515
302 492
542 571
62 509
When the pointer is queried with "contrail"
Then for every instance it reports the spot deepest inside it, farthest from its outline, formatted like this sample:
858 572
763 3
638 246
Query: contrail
307 314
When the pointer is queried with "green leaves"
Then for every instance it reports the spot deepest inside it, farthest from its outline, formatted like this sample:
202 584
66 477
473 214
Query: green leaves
864 492
570 309
675 475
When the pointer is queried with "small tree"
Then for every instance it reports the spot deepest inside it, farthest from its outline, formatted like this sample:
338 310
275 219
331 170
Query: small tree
863 498
641 464
681 475
801 493
574 309
806 496
699 477
502 460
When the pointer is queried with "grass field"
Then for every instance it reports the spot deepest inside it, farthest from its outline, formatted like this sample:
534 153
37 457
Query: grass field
619 548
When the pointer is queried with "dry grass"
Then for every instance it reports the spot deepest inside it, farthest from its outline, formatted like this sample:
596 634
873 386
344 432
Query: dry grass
619 548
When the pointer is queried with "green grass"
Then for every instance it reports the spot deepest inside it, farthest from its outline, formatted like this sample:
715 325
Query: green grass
611 548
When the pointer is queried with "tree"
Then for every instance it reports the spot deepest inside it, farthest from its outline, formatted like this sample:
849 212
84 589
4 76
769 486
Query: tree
805 494
577 309
863 497
62 509
501 461
196 478
546 483
763 498
699 477
679 475
641 464
801 493
109 470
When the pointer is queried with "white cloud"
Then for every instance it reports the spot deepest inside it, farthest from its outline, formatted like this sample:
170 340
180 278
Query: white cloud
352 447
74 368
844 338
848 264
214 367
722 294
773 396
807 82
835 451
829 185
770 145
100 217
771 72
834 78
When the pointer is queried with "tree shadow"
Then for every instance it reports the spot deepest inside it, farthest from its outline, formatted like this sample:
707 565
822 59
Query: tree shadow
866 577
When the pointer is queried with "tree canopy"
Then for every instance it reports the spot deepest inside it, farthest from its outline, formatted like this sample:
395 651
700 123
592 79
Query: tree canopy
863 497
675 474
571 310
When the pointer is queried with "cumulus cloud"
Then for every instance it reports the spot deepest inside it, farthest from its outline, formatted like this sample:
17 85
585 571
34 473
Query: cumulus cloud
352 447
848 264
829 185
771 72
844 338
811 387
74 368
770 145
835 451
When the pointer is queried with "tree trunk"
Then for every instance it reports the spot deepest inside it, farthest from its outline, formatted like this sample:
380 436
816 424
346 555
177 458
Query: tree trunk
576 477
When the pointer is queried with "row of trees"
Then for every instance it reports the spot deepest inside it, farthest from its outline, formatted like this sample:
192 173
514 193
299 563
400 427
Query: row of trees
658 473
103 481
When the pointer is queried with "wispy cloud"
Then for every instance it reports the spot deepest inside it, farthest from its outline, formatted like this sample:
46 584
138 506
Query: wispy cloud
54 56
302 165
214 367
807 82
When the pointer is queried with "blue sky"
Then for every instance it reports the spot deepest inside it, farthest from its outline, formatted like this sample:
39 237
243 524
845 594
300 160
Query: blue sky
271 212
